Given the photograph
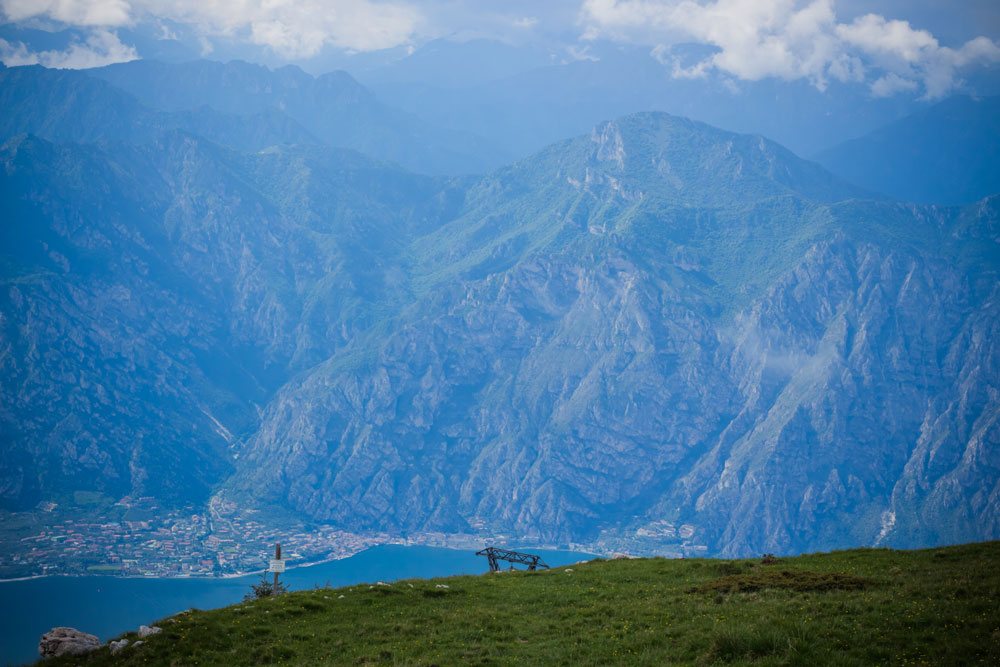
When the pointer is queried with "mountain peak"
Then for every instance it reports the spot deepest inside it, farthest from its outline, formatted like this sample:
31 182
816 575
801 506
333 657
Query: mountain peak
689 163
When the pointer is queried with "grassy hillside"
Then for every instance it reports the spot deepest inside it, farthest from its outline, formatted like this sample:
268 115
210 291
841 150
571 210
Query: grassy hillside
933 607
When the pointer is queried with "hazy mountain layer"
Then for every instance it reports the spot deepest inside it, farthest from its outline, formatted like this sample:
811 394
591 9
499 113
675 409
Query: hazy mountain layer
155 296
659 335
533 105
239 105
947 154
68 105
333 107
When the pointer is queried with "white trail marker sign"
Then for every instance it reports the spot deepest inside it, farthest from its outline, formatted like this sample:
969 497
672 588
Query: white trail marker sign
277 566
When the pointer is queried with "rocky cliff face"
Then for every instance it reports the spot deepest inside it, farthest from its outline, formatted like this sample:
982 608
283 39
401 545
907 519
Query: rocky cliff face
598 361
154 296
659 335
842 370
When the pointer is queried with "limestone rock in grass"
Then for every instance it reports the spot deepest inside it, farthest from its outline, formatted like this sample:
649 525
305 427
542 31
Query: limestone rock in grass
66 641
147 630
138 644
117 646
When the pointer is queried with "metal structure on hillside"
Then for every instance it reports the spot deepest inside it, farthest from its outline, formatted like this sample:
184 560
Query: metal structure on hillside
494 556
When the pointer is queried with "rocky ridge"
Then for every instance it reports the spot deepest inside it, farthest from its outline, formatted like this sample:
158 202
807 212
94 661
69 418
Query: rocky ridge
658 335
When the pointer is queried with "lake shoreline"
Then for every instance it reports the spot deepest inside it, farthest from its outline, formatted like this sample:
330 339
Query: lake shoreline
108 605
181 577
290 567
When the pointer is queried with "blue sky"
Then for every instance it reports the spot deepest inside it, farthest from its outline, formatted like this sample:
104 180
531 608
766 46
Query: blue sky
893 46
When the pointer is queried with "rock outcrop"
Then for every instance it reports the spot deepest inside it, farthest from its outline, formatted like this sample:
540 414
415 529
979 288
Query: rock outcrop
66 641
148 630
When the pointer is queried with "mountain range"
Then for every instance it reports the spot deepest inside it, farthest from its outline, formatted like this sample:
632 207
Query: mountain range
948 153
236 104
657 335
542 102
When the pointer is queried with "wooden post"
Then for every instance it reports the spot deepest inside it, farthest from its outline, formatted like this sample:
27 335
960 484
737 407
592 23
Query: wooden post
277 556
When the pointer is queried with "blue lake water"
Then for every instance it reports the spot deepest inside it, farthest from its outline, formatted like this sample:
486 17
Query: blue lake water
109 606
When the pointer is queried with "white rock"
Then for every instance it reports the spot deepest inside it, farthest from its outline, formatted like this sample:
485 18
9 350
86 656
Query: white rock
117 646
147 630
66 641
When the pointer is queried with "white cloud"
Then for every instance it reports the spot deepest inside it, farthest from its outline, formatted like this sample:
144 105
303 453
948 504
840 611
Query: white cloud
105 13
292 28
576 53
790 39
909 55
102 47
875 35
166 34
890 84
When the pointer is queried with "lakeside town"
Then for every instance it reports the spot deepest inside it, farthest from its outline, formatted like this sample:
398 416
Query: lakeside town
134 537
141 540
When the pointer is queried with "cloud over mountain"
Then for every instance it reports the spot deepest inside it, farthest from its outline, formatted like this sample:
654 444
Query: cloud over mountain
294 29
789 39
815 40
101 47
74 12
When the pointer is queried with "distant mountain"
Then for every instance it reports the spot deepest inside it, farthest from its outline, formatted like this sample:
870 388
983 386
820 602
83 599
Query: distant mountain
154 296
333 107
69 105
528 108
446 63
948 153
657 336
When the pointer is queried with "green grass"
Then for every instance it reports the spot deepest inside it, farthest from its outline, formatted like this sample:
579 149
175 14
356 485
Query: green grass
861 607
103 569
